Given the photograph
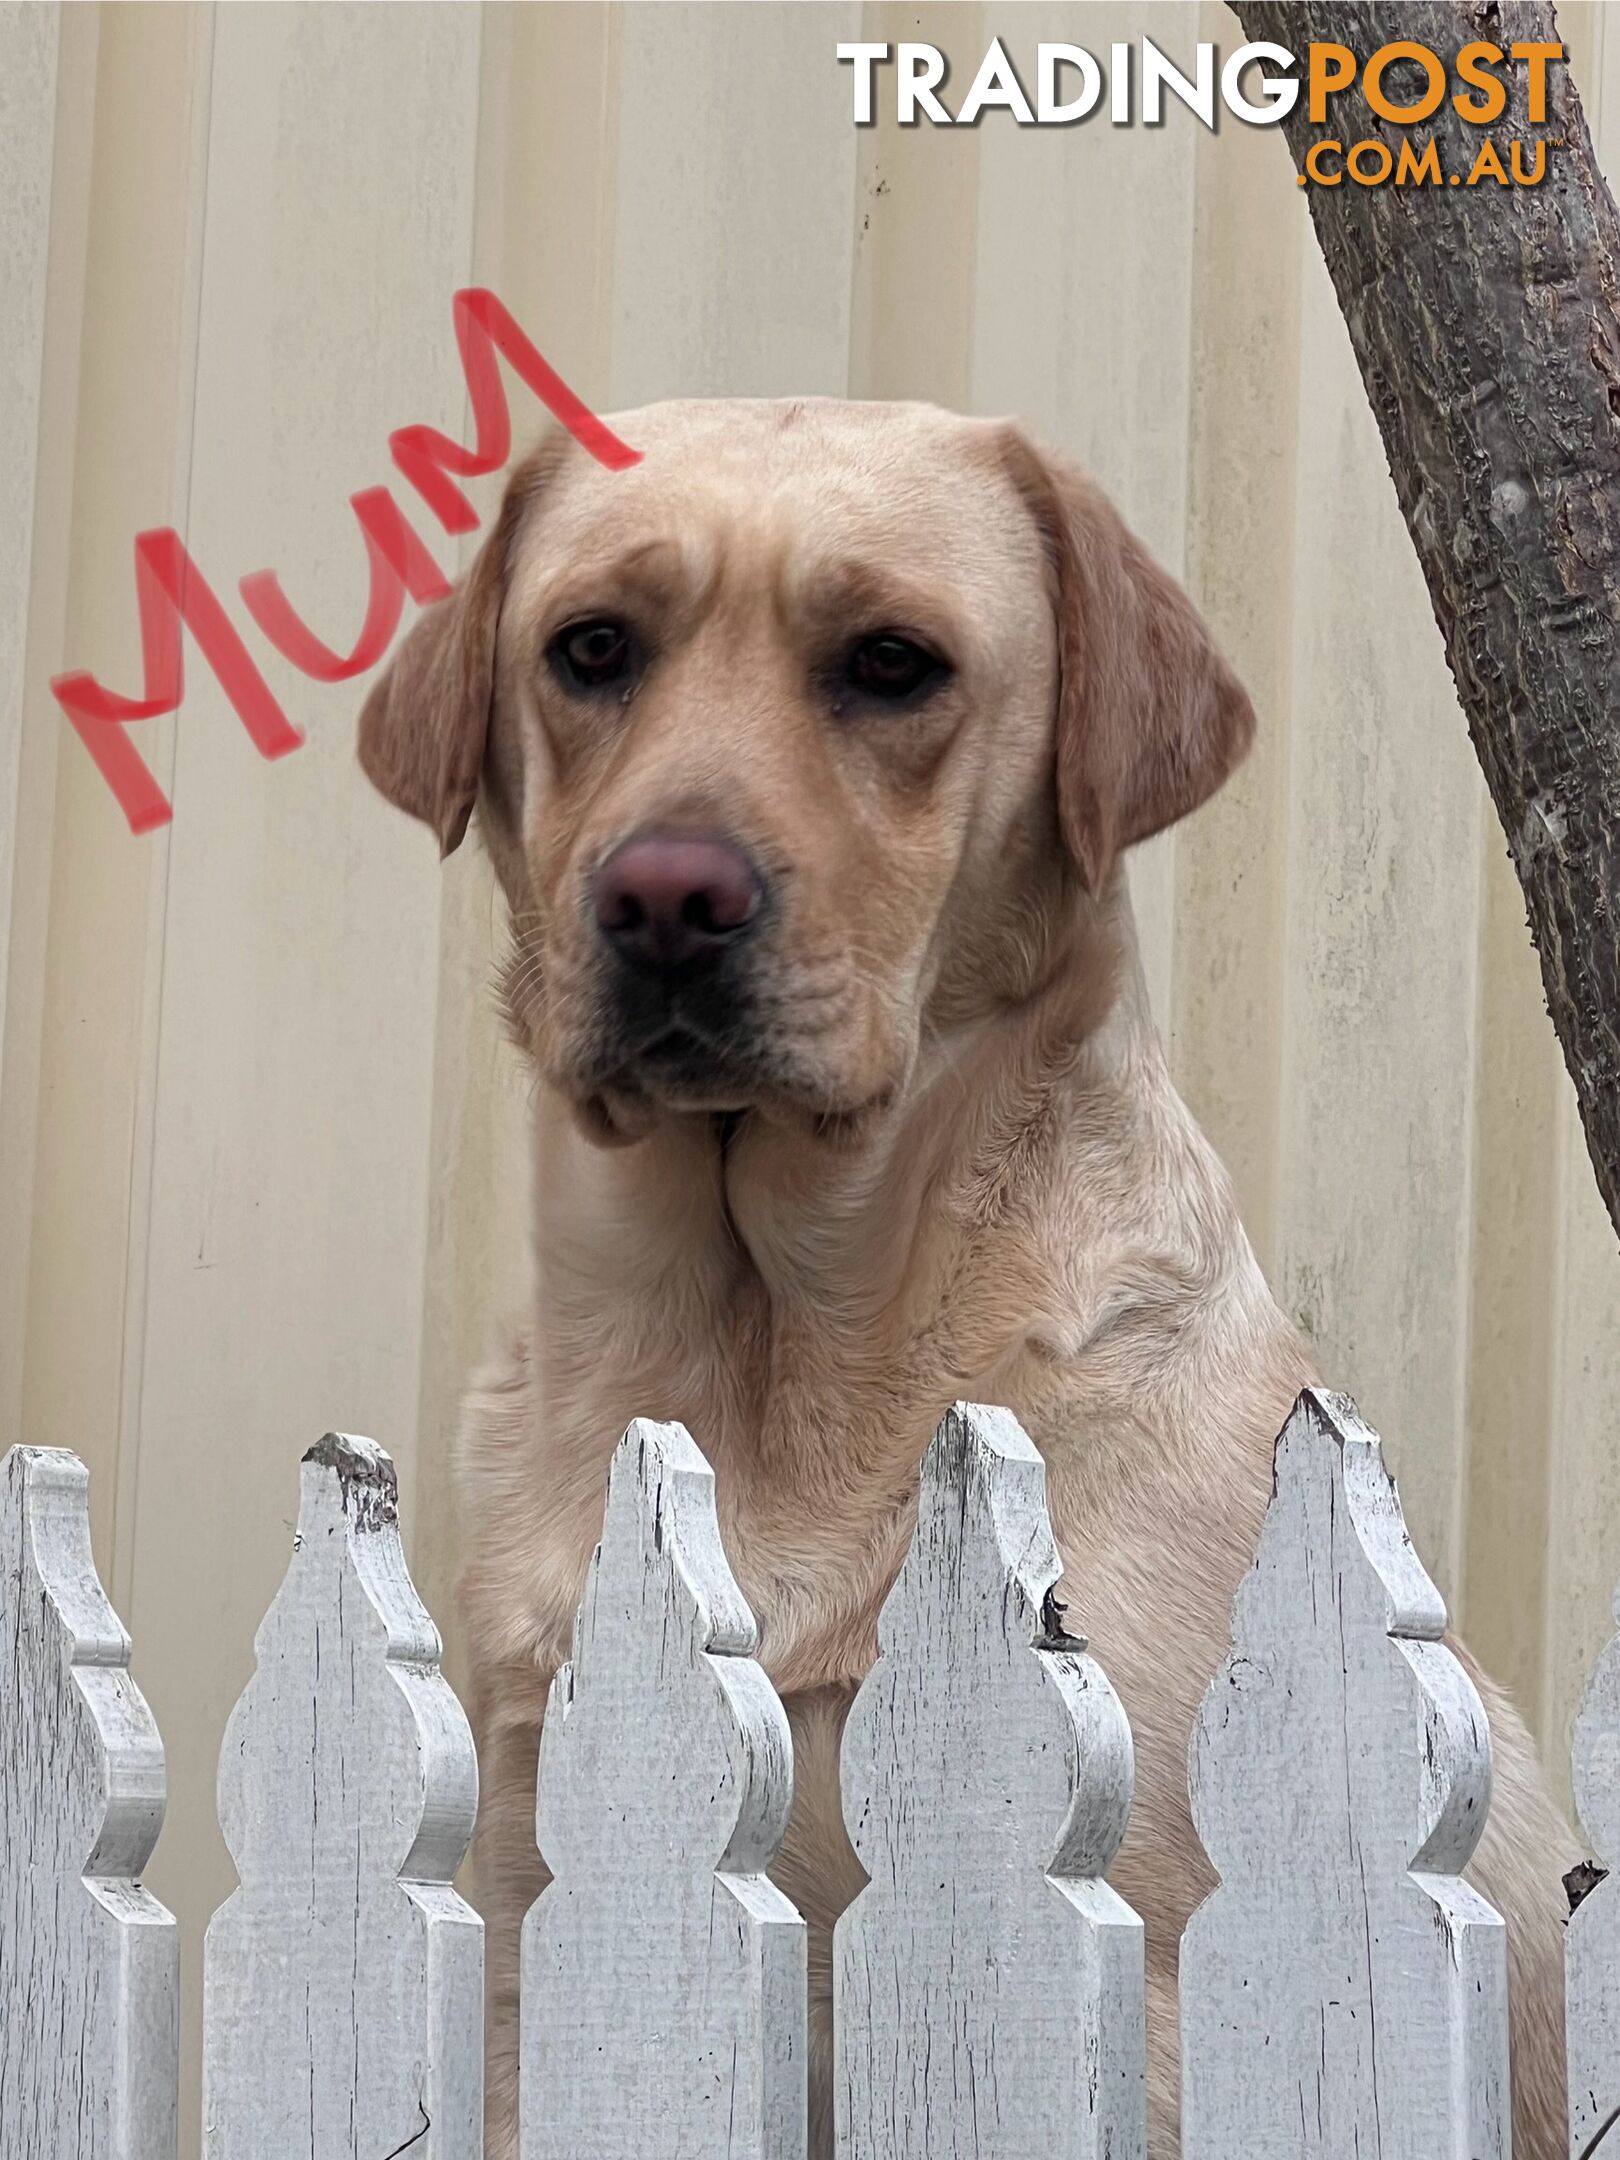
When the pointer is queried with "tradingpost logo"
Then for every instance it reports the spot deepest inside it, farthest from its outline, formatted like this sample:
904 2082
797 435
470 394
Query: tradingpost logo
1409 86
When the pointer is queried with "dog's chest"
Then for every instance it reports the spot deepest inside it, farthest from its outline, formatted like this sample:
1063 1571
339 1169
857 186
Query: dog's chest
815 1489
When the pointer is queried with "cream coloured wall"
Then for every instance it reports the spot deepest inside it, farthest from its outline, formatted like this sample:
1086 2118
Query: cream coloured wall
260 1142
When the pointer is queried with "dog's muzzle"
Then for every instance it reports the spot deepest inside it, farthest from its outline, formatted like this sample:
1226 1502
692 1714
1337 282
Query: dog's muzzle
678 915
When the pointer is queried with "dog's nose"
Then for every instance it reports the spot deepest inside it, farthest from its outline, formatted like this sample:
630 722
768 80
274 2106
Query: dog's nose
665 898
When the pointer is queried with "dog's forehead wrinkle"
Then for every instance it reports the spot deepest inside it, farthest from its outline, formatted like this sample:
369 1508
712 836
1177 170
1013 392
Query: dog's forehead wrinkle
802 542
906 471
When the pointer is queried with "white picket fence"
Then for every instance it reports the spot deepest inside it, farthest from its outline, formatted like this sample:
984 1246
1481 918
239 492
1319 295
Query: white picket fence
988 1982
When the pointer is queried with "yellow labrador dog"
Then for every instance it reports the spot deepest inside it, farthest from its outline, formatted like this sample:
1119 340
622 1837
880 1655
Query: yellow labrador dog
807 751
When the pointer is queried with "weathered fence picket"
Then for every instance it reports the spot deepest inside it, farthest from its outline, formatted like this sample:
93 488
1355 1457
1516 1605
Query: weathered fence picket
663 1973
988 1983
89 1961
343 1980
1592 1949
1343 1992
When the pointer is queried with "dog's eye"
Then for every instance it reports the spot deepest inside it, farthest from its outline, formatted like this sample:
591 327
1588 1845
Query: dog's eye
590 655
893 667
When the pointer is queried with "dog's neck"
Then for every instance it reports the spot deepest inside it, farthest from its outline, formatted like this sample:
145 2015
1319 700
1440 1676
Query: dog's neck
846 1226
943 1241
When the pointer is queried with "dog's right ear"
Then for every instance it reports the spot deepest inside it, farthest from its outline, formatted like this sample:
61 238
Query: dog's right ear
424 726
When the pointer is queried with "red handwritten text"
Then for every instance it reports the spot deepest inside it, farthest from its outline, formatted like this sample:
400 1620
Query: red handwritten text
173 594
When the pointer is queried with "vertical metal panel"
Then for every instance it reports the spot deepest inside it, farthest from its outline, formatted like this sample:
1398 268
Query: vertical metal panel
1380 942
914 310
1515 1316
132 438
735 203
47 104
30 39
1243 445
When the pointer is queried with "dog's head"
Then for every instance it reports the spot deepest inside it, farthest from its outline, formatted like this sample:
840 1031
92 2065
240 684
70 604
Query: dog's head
793 739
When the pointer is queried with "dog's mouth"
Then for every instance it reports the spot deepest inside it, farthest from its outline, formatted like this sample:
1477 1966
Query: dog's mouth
712 1047
683 1065
704 1042
679 1058
682 1074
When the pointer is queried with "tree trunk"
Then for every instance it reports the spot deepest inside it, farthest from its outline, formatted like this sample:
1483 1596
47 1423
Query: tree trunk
1486 320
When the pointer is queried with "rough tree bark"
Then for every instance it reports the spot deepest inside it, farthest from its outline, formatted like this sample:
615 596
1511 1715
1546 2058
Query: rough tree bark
1486 320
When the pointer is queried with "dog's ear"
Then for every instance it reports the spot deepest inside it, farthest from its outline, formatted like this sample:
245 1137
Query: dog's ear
424 726
1150 718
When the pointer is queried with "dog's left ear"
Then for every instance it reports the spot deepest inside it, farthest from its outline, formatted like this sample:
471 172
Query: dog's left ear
1150 718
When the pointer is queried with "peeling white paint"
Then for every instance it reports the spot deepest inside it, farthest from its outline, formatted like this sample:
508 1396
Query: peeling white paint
988 1982
89 1960
343 1981
1343 1991
663 1973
